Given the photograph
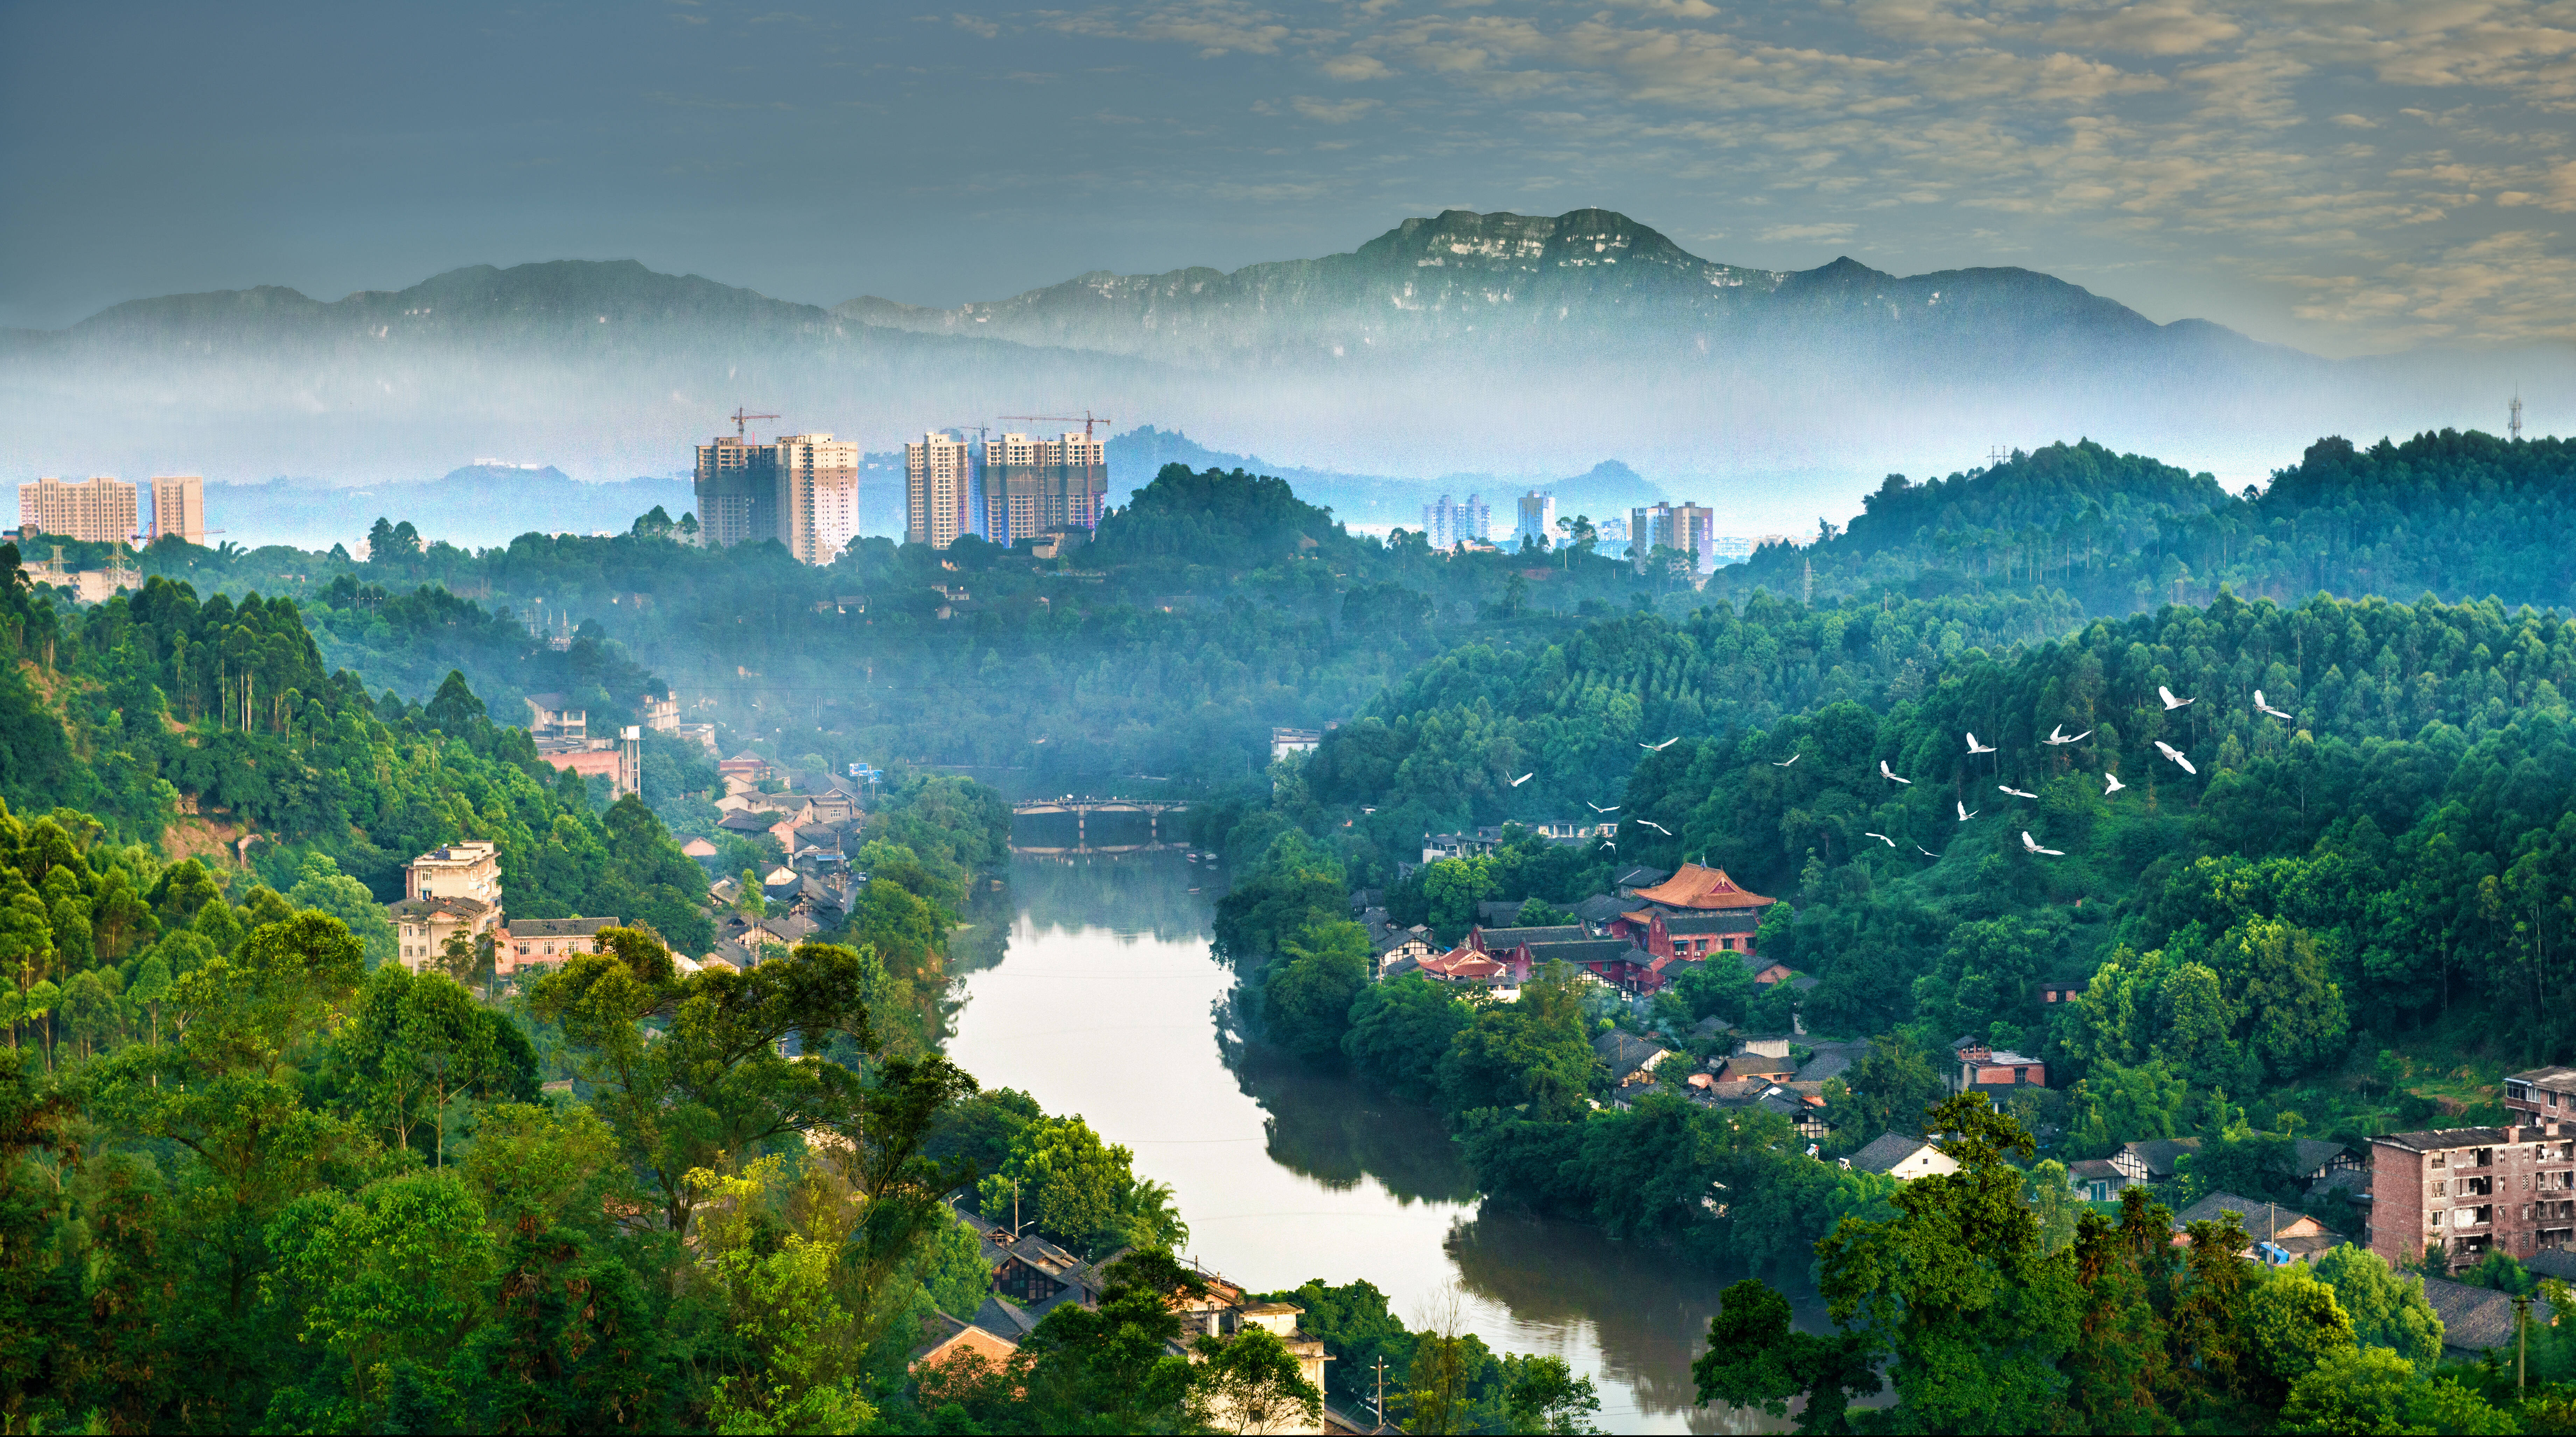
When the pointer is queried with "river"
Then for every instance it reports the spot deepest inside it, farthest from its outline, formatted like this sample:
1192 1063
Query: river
1103 999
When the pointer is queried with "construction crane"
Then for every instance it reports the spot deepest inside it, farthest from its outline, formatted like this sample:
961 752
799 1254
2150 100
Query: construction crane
1087 417
740 419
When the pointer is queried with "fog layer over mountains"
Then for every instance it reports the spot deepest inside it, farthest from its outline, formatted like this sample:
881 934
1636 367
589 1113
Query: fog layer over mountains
1477 345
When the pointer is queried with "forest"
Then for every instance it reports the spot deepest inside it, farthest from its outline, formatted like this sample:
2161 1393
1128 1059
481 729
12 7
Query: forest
2279 780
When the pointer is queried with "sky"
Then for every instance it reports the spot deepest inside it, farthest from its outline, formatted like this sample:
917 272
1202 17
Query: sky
2346 176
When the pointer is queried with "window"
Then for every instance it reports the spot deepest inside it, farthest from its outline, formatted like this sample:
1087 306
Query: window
2438 1187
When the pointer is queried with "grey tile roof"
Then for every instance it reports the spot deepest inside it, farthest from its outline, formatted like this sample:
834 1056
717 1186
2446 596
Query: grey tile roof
2474 1319
1692 925
2159 1154
1600 908
2258 1218
1504 940
1885 1151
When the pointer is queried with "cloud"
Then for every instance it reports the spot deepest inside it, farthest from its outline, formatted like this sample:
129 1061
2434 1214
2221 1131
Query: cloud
1793 234
1355 68
1332 112
975 25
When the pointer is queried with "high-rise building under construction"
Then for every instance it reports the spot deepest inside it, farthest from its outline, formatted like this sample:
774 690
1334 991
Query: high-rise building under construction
1032 485
943 488
801 490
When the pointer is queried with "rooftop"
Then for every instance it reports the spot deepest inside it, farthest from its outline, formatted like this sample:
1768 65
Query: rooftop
1885 1151
1702 888
2474 1319
557 927
418 908
2438 1139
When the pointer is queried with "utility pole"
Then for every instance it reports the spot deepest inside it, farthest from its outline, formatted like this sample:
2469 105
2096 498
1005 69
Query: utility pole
2521 1341
1381 1391
1809 597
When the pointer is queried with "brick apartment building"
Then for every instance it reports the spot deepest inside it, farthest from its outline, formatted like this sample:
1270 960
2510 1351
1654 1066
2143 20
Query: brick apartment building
2471 1190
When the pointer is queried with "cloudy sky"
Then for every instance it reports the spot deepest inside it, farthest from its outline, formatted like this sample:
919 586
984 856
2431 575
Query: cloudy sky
2343 175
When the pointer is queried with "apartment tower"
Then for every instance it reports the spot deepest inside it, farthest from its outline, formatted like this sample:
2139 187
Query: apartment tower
801 490
943 488
818 495
1448 525
1538 519
1689 528
1033 484
94 511
179 507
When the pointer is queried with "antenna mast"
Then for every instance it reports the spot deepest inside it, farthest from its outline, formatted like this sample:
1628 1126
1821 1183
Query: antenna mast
2513 421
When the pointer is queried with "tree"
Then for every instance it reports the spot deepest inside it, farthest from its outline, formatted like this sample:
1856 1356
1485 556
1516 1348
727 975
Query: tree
1531 1054
1064 1179
1957 1290
1109 1368
1754 1359
1250 1382
1891 1089
1400 1029
2373 1390
2386 1308
384 1281
1542 1394
1306 1000
443 1038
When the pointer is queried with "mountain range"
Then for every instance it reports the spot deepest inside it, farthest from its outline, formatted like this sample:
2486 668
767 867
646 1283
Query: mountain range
1462 344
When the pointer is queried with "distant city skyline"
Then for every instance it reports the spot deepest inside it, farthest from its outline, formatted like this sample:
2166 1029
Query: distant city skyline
2344 177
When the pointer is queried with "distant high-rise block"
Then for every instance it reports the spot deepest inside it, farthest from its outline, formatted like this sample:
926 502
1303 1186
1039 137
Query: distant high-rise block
1447 525
818 495
737 492
97 510
943 489
801 490
1538 519
1688 528
179 507
1032 485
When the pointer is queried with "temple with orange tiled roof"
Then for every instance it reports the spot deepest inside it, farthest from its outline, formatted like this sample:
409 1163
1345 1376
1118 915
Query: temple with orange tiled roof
1701 890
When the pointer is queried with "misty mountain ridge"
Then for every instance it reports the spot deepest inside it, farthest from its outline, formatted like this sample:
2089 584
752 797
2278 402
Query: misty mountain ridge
1468 344
1590 277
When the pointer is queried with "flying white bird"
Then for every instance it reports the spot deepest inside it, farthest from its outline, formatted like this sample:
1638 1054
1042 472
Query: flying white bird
2116 785
1965 812
1657 827
1793 758
2032 844
1881 837
1596 808
2015 792
1660 747
1885 774
2261 707
2059 735
2170 701
1524 778
1976 747
2171 752
1928 853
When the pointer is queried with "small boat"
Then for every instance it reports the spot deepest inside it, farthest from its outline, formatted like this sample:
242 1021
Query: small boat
1194 890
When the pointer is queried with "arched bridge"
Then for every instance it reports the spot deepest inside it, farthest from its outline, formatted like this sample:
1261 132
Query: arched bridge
1083 808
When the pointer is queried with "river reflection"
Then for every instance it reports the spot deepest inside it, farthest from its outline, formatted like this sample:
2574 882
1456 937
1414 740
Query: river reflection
1102 999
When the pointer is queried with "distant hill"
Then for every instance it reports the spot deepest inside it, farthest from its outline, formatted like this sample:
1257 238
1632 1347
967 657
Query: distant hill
1457 345
473 507
1609 487
1507 286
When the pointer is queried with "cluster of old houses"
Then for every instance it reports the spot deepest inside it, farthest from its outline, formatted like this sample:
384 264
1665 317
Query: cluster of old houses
456 889
1032 1277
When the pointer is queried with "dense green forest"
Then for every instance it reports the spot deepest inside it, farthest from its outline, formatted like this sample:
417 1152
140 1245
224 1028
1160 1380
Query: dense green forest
1210 609
2348 915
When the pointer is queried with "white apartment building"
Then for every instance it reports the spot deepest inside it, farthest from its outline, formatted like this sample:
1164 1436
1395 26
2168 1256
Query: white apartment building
1447 525
943 489
818 490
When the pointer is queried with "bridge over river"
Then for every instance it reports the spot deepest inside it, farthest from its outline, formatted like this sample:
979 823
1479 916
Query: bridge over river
1083 809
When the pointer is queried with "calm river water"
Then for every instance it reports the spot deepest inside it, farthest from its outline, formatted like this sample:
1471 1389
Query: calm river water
1104 1000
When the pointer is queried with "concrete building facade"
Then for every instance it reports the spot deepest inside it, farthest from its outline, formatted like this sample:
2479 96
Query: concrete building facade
1034 484
1448 525
97 510
1689 528
1537 519
179 507
801 490
2463 1192
943 489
